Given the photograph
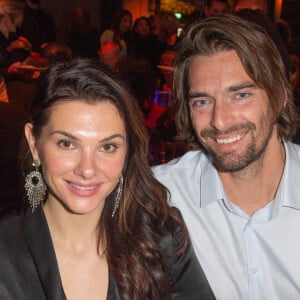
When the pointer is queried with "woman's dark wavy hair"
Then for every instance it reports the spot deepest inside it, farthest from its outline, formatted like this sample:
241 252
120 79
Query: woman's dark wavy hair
117 18
131 236
259 56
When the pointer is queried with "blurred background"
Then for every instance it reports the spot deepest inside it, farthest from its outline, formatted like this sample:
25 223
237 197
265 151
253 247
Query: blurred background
102 10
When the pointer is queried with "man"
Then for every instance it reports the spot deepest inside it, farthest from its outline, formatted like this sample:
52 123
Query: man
215 7
38 26
11 18
110 53
239 194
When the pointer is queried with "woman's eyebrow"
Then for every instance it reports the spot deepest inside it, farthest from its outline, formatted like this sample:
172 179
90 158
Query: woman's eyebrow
69 135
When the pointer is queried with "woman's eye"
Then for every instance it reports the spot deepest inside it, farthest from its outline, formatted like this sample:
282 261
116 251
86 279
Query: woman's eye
65 144
109 148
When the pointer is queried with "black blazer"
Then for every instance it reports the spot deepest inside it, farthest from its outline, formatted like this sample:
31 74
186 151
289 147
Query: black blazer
29 270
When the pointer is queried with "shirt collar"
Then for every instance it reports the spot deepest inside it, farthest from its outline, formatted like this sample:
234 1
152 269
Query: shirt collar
210 184
290 181
287 194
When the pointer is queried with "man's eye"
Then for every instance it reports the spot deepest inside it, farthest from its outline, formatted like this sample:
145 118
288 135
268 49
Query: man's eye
200 103
242 95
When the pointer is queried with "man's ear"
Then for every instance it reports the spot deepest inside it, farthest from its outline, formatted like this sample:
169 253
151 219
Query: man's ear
31 141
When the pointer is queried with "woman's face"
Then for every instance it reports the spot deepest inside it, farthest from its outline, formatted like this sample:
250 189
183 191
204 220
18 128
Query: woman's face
81 150
125 24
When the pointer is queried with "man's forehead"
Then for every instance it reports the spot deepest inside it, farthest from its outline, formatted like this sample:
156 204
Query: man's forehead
218 65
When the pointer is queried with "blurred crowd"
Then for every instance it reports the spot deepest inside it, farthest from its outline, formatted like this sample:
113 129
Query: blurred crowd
142 51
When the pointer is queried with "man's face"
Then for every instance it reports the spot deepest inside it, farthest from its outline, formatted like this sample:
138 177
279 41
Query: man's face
15 12
110 54
216 8
231 115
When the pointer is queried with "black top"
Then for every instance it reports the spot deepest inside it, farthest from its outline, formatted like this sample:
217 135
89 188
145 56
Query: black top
29 268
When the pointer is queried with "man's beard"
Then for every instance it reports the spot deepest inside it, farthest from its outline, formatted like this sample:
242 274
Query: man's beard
234 161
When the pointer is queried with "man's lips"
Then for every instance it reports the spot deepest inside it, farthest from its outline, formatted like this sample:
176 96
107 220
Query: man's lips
229 140
231 135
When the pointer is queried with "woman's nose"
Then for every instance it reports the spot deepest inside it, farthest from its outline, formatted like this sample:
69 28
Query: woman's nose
86 166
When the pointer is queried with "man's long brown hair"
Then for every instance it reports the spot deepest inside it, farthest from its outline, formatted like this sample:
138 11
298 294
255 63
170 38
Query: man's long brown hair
259 56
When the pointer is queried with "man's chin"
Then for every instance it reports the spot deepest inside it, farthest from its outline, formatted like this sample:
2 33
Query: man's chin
227 162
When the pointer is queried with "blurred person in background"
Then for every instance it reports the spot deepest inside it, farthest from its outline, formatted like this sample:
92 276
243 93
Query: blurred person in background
215 7
143 43
23 72
252 4
38 26
120 29
56 51
82 35
168 27
285 31
11 18
142 81
12 118
110 54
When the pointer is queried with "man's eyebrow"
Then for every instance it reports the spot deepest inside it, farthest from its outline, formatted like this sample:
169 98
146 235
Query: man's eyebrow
241 86
193 95
234 88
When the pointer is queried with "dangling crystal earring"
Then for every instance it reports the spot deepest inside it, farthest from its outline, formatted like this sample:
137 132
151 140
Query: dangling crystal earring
35 187
119 195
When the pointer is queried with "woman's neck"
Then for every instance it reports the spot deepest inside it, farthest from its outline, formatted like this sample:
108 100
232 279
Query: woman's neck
72 230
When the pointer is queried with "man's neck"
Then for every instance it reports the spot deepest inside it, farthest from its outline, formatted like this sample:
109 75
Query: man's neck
255 186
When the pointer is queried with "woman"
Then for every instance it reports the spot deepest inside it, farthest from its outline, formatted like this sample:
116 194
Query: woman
81 35
120 30
142 43
99 226
169 25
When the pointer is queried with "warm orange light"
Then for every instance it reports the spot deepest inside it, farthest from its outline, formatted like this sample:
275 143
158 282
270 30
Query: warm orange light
277 9
136 7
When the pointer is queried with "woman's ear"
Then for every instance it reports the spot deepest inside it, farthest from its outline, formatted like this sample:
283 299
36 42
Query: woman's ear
31 141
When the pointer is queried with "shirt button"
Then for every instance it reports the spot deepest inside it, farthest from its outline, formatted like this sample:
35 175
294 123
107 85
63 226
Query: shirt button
254 270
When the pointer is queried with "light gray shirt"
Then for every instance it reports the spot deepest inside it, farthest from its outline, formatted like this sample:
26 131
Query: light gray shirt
243 257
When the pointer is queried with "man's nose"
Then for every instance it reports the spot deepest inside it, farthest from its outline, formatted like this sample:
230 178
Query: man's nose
222 115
